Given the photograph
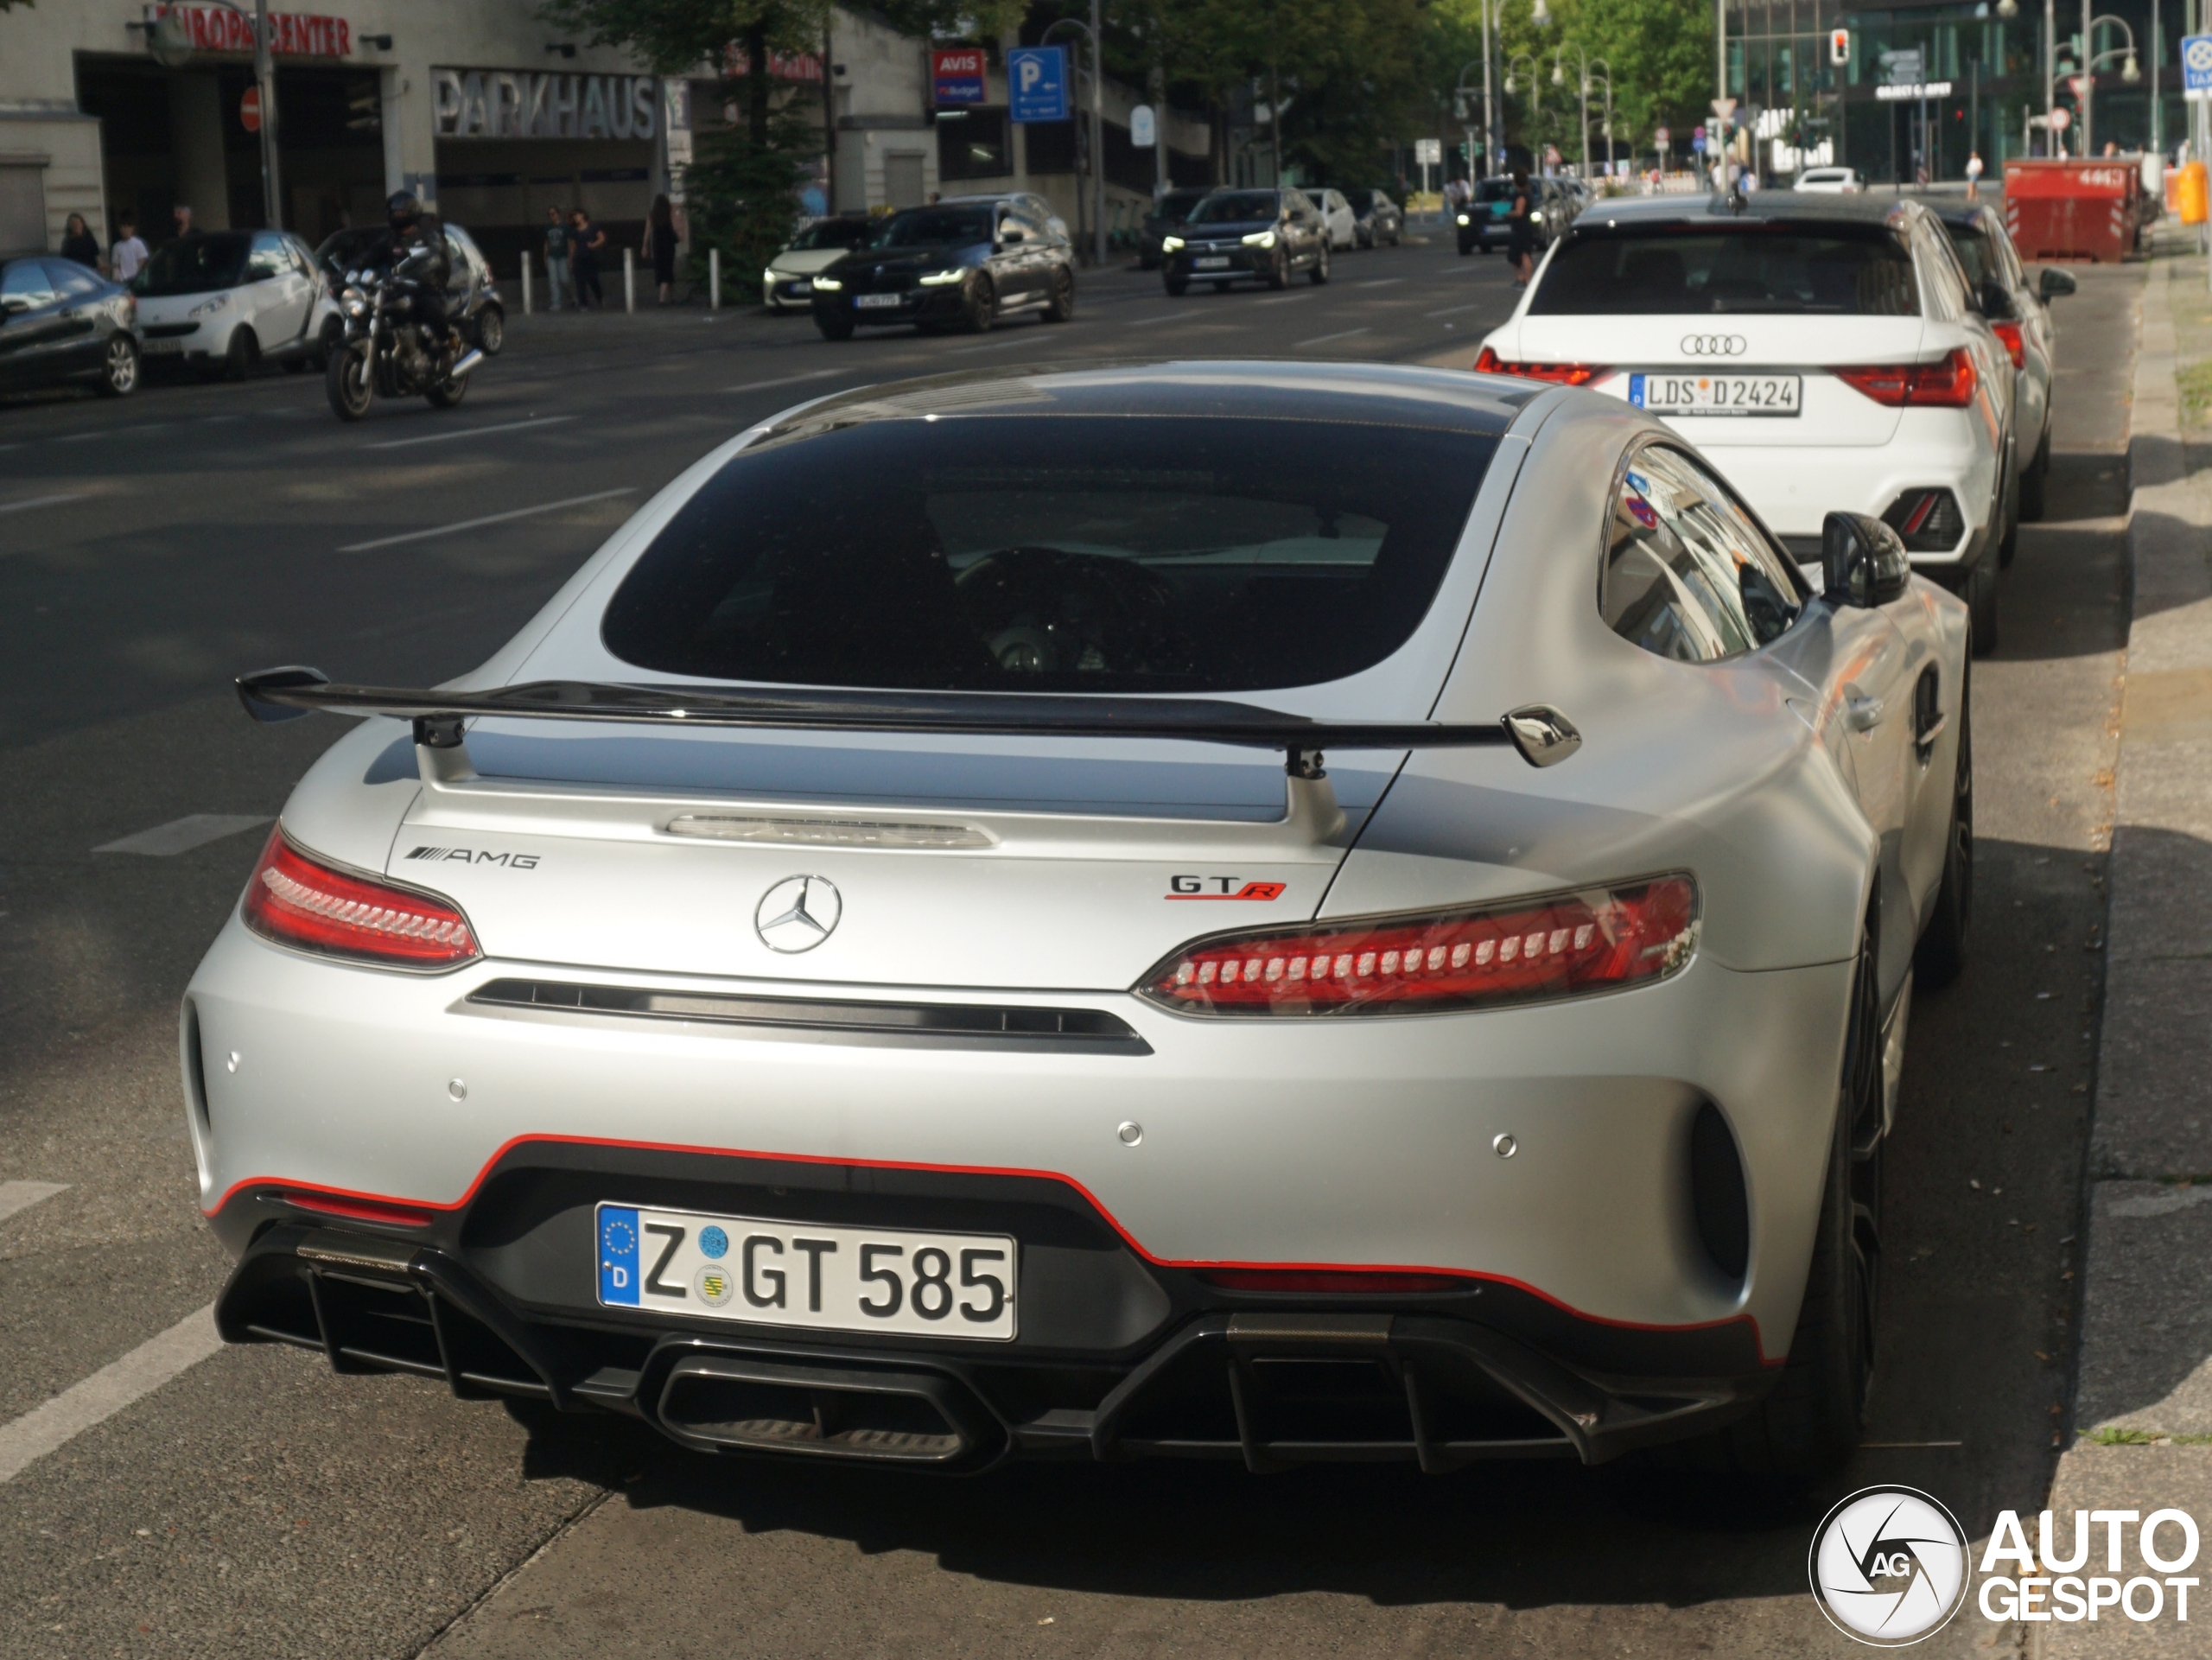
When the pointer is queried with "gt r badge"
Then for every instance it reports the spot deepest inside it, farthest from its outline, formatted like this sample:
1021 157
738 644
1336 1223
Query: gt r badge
1225 887
798 913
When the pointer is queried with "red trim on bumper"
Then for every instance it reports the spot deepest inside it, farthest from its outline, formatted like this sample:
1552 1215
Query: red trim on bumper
359 1206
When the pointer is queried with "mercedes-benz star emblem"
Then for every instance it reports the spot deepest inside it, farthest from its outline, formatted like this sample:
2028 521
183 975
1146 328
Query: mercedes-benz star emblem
1713 345
798 913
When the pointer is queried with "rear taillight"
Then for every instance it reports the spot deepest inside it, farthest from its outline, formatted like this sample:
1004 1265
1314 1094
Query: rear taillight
1947 384
1531 950
296 901
2015 342
1566 374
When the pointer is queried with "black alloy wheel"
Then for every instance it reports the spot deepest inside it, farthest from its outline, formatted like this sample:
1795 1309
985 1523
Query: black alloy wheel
119 366
1060 306
980 306
1278 271
1176 286
834 325
346 381
1319 274
491 331
244 356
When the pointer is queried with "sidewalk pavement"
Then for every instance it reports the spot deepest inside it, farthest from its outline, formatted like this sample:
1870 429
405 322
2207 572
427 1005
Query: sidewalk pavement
2143 1404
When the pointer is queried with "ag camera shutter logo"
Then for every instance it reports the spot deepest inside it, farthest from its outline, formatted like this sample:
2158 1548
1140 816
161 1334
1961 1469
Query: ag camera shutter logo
1888 1565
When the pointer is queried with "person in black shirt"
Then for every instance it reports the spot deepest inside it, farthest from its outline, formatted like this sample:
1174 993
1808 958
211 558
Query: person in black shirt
585 241
77 244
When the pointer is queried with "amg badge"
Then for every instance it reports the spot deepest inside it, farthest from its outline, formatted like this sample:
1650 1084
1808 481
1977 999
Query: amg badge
478 856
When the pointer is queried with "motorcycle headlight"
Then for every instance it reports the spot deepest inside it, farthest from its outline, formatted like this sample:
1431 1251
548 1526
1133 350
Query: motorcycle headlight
215 302
355 307
828 285
1261 240
1169 244
937 279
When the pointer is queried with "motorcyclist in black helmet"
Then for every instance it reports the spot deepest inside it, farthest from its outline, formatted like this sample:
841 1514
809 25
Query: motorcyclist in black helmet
414 232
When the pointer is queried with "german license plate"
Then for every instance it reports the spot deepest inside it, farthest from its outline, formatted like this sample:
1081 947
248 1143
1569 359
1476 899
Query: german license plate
826 1279
162 348
1213 261
1696 394
878 301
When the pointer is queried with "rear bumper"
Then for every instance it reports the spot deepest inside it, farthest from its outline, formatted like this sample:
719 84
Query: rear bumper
1438 1382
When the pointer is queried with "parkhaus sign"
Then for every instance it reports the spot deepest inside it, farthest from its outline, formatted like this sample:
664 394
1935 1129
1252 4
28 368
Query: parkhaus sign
517 104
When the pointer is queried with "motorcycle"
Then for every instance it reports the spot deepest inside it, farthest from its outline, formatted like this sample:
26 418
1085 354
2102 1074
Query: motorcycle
383 353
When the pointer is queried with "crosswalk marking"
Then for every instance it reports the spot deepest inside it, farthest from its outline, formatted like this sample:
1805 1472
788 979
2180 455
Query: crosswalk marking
54 1423
16 1196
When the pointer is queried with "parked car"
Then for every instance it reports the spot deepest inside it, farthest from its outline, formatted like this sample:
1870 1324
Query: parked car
1834 181
944 1011
1822 351
472 298
787 284
962 264
1338 218
1168 216
1380 219
223 300
1234 236
2019 313
62 322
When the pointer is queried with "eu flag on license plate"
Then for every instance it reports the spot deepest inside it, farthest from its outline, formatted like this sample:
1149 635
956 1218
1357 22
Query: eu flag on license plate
618 1255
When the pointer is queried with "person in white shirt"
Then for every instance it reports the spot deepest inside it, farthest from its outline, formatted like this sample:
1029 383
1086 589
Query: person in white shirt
129 252
1973 176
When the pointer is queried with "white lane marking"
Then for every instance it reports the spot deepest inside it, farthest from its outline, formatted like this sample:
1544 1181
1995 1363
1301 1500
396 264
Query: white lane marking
996 346
1284 299
489 518
785 380
36 501
1171 317
182 834
22 1195
1341 334
470 432
54 1424
1454 311
1378 281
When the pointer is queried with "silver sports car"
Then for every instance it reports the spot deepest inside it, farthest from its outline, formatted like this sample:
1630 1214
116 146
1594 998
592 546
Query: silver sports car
881 968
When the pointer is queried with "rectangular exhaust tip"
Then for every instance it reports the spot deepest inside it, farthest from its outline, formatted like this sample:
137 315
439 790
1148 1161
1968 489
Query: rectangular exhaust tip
725 1403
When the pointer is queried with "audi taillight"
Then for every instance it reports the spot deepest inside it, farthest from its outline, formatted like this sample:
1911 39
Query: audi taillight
1946 383
2015 341
1529 950
1566 374
296 901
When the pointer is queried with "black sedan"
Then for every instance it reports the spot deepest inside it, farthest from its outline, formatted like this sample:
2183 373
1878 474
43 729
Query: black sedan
1380 219
956 265
61 323
1244 235
1167 217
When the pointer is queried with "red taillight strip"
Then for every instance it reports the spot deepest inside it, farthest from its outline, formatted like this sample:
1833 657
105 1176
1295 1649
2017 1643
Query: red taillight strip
357 1210
1487 362
297 900
291 1193
1947 382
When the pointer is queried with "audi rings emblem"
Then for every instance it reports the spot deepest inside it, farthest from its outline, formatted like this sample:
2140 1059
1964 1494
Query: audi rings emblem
1713 345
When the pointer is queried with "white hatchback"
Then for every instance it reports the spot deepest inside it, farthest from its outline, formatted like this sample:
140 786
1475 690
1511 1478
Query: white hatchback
224 300
1834 181
1825 352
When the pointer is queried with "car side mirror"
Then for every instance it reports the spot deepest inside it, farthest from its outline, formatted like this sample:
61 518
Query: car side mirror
1863 561
13 303
1996 300
2052 283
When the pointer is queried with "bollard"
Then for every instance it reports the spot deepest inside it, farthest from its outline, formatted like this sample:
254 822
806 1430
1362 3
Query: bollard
714 279
630 280
525 283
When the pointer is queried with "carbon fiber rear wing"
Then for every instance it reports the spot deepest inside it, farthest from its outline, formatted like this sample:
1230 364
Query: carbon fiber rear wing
1542 735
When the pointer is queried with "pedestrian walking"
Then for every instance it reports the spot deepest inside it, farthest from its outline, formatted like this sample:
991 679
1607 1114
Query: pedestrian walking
129 252
180 219
660 247
77 244
1521 231
557 257
1973 176
585 241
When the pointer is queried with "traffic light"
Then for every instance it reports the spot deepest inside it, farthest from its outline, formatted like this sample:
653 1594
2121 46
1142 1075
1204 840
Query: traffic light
1839 46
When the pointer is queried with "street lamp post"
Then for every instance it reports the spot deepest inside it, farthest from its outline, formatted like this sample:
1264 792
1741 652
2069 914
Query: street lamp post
1089 33
1535 89
2091 57
1607 81
1559 79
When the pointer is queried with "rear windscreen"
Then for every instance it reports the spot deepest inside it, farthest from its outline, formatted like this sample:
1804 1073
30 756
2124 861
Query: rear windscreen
1034 552
1839 271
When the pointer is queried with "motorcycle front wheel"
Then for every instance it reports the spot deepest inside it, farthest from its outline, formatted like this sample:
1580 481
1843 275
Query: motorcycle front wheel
345 377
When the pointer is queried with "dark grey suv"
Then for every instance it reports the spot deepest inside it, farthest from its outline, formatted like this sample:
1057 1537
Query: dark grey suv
1247 235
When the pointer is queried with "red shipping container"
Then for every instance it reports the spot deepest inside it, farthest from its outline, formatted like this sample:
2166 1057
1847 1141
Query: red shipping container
2074 210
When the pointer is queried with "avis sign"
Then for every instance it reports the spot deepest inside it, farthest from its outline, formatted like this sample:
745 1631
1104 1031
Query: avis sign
956 75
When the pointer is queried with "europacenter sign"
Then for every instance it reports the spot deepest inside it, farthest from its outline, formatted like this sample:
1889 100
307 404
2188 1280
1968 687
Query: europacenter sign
517 104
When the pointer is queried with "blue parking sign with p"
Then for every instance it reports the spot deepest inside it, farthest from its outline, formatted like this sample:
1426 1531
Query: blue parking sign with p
1037 83
2196 66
